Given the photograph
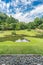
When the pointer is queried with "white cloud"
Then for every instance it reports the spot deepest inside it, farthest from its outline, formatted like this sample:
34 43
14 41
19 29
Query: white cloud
26 17
29 16
21 17
27 2
4 7
0 0
37 10
8 4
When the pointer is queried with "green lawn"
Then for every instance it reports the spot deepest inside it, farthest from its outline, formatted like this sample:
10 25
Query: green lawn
9 46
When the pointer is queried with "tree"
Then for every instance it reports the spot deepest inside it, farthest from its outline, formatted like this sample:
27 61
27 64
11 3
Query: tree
18 26
31 25
10 23
7 22
40 26
23 25
37 22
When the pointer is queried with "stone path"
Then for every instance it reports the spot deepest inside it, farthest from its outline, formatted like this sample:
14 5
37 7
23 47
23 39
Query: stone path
21 59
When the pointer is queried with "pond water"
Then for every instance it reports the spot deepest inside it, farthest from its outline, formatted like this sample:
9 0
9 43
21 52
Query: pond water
22 40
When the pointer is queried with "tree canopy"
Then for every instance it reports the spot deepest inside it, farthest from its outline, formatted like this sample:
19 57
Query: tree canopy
10 23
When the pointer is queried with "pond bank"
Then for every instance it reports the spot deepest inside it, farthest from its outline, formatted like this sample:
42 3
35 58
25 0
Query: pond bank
21 59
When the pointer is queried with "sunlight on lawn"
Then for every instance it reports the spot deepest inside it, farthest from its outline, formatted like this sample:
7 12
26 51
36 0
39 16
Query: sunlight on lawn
9 46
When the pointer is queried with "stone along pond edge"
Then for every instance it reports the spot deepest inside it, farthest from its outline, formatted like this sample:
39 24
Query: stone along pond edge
21 59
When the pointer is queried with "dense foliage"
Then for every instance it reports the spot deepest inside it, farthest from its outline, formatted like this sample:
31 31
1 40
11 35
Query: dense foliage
10 23
37 23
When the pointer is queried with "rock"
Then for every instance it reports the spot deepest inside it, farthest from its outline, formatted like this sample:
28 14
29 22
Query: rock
21 59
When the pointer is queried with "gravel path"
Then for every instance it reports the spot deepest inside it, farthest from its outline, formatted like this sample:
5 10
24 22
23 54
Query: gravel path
21 59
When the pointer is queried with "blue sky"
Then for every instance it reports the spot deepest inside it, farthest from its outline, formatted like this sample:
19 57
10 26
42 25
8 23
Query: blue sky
23 10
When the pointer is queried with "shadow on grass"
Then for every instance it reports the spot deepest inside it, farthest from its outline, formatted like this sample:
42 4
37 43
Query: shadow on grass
13 37
10 38
38 35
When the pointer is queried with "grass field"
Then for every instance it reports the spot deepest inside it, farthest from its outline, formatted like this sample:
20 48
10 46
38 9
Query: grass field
9 46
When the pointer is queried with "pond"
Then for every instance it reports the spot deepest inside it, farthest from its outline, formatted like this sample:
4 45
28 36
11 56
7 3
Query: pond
22 40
